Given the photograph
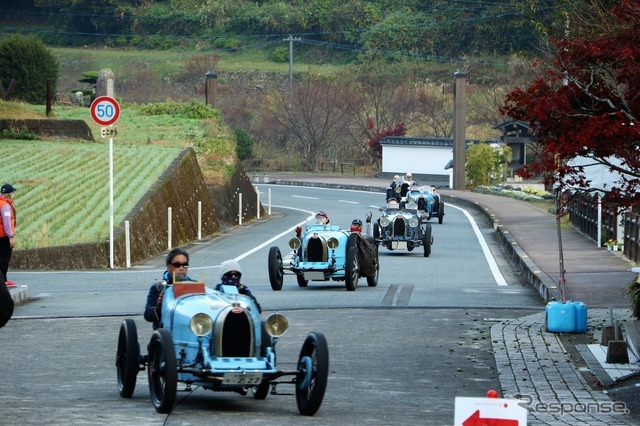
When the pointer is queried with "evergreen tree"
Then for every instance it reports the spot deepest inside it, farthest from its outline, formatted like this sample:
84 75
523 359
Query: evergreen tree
28 61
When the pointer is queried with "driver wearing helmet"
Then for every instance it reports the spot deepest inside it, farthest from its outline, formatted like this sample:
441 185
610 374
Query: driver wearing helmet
322 218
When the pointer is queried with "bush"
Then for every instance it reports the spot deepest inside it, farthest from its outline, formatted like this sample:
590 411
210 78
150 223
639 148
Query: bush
244 145
27 60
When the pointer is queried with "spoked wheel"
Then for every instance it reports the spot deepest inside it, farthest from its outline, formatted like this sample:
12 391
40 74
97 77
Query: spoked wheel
262 390
127 358
373 281
426 240
313 370
163 376
276 273
352 270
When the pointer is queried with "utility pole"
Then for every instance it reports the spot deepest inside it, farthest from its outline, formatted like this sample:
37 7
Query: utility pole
459 89
291 39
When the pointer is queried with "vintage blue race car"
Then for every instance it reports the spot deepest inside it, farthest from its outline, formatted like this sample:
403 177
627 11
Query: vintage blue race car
426 202
217 341
403 229
326 253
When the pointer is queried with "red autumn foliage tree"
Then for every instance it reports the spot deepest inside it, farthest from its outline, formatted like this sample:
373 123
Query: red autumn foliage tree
585 105
379 134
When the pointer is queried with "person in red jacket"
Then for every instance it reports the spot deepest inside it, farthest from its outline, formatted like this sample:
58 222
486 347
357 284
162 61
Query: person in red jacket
7 230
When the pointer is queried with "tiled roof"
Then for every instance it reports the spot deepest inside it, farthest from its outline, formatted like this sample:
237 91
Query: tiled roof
407 140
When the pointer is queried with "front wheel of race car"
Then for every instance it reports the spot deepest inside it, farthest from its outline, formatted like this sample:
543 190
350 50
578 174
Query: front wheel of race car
373 281
163 375
127 358
426 240
440 213
313 370
352 269
276 272
301 281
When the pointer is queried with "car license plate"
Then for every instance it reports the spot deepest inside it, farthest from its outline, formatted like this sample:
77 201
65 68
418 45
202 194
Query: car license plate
314 275
242 379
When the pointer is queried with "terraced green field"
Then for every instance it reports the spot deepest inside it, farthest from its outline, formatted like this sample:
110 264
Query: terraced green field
62 192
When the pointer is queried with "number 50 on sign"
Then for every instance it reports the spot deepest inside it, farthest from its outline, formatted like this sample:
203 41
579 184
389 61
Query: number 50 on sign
105 110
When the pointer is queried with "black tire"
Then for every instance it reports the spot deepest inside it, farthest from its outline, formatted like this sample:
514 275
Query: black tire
373 281
376 233
276 272
441 213
352 269
301 281
426 240
262 390
163 375
127 358
311 385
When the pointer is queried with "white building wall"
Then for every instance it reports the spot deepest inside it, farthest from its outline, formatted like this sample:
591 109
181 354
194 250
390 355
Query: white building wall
426 160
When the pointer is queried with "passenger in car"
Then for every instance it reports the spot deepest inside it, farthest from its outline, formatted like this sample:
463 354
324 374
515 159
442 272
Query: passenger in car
321 219
177 263
230 274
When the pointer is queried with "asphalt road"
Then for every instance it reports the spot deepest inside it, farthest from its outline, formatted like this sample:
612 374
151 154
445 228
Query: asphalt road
399 352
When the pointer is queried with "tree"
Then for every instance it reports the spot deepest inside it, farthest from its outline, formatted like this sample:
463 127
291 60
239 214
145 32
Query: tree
30 63
244 144
585 105
315 119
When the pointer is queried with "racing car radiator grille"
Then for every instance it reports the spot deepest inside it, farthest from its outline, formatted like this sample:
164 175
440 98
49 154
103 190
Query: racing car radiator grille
399 227
316 250
234 335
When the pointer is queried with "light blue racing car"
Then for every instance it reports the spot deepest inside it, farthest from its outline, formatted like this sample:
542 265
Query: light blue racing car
217 341
326 253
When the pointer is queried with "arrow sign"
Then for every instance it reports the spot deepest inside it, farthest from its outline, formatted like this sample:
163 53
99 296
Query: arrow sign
476 420
105 110
489 411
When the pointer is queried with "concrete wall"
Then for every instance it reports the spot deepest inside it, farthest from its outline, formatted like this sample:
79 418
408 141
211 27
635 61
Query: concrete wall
423 160
51 128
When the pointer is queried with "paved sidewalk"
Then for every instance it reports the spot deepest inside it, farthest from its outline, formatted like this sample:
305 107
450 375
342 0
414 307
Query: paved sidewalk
539 367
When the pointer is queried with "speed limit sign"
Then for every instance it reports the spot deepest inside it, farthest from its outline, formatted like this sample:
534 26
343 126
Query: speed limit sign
105 110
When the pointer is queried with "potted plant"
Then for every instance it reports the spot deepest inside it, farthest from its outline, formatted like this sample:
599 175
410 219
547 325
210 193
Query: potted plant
611 244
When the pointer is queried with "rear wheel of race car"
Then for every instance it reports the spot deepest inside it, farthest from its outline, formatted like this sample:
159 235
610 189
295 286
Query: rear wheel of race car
301 281
163 376
441 213
426 240
276 273
352 269
313 370
373 281
127 358
376 233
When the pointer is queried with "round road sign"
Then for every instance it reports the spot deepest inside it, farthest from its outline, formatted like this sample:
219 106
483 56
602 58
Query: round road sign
105 110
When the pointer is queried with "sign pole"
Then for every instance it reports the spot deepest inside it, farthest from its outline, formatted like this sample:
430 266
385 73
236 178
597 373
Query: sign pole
111 262
105 111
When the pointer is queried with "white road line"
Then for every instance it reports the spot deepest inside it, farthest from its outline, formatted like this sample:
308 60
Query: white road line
349 202
302 196
493 266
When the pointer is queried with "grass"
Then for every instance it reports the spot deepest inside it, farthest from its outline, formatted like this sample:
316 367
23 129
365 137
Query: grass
63 186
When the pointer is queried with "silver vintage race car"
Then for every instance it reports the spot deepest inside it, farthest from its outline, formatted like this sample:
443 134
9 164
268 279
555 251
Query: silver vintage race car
403 229
217 341
325 253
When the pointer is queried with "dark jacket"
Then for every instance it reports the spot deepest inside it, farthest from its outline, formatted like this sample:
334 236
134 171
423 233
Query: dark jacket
151 313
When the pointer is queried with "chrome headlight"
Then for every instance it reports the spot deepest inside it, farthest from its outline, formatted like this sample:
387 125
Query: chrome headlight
384 221
201 324
276 325
294 243
333 243
413 222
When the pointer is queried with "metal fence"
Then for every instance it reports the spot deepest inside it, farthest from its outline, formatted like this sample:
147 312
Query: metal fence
583 214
